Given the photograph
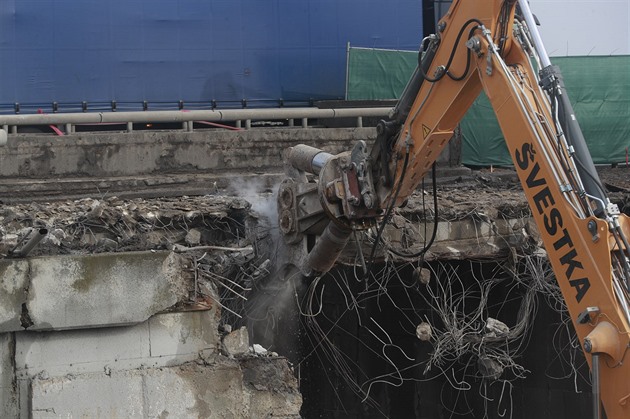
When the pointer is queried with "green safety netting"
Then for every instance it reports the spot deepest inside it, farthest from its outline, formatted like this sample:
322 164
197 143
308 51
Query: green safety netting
599 89
375 74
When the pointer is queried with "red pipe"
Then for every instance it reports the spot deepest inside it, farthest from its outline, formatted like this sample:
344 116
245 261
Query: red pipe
54 128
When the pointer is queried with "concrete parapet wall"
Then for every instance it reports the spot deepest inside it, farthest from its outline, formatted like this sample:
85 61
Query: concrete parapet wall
115 154
154 163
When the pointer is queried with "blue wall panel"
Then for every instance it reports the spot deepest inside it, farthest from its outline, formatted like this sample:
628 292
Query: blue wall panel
163 51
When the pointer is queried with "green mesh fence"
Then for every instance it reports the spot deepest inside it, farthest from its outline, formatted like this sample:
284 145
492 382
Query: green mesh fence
599 89
376 74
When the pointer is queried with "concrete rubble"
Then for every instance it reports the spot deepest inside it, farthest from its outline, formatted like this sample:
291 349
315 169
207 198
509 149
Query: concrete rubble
236 343
115 313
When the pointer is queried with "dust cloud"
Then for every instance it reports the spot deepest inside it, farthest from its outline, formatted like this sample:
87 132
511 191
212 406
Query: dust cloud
272 313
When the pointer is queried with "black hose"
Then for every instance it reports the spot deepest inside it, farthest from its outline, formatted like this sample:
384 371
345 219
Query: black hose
388 213
435 223
451 57
460 78
503 24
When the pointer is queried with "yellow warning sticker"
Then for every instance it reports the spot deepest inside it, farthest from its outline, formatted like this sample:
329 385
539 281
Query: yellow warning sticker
425 131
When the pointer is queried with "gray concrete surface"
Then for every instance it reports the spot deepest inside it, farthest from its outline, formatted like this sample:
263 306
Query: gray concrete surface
14 281
99 155
103 289
65 292
158 163
153 163
188 391
8 388
168 365
462 239
165 339
236 343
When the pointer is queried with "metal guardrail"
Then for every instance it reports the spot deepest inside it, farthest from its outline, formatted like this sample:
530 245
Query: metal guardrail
10 123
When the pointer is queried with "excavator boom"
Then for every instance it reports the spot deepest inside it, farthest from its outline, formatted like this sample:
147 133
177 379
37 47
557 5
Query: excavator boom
491 46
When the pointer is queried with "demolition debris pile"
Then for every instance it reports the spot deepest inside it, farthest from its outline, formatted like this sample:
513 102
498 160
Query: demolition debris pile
218 247
116 225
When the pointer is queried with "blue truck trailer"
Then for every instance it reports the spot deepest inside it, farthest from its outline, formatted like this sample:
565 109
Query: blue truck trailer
73 55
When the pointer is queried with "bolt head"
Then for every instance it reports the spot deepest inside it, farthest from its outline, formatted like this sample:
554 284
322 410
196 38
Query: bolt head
588 346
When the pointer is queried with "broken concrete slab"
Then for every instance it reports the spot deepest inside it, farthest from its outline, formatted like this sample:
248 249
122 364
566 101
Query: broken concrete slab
177 334
193 237
236 343
69 292
264 379
454 240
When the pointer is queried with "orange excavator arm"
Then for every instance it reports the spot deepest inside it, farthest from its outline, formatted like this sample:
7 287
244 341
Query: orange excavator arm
494 46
